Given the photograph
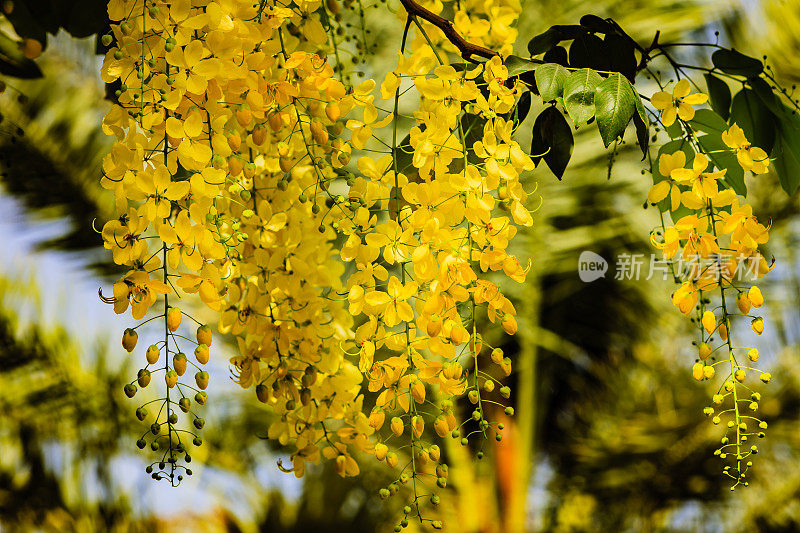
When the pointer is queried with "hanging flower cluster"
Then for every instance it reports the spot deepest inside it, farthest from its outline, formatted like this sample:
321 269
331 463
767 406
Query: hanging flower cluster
713 247
231 176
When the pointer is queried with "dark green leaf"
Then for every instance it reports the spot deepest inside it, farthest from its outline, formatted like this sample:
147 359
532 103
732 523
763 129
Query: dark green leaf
768 97
642 134
621 56
786 152
550 80
724 158
596 24
708 121
552 137
557 54
642 127
86 17
719 95
517 65
523 107
579 91
736 63
588 51
787 165
757 121
615 104
554 35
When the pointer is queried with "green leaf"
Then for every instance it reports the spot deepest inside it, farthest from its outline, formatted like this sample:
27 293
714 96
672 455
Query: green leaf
550 80
786 152
719 95
708 121
554 35
736 63
768 96
588 51
674 130
724 158
552 137
757 121
517 65
596 24
642 127
621 57
579 91
642 133
787 165
615 104
522 108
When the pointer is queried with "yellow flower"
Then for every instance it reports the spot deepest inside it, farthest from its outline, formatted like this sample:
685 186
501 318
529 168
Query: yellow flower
677 104
666 164
749 157
123 237
161 191
139 290
182 239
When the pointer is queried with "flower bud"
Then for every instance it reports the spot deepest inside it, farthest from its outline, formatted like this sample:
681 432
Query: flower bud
709 372
397 426
201 378
697 371
497 356
130 390
704 351
171 378
766 377
743 303
709 322
417 425
185 404
473 396
204 335
740 375
434 452
173 319
152 354
262 393
129 339
376 418
752 354
755 296
179 362
758 325
723 330
418 391
259 135
143 378
381 450
392 459
201 354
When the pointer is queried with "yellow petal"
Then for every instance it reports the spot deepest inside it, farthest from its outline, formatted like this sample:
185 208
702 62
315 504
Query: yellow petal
669 115
661 100
681 89
658 192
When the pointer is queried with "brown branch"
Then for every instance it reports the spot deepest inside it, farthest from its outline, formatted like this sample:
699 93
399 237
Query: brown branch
466 48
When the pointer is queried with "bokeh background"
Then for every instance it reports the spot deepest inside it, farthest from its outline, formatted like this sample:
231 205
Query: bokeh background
609 433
